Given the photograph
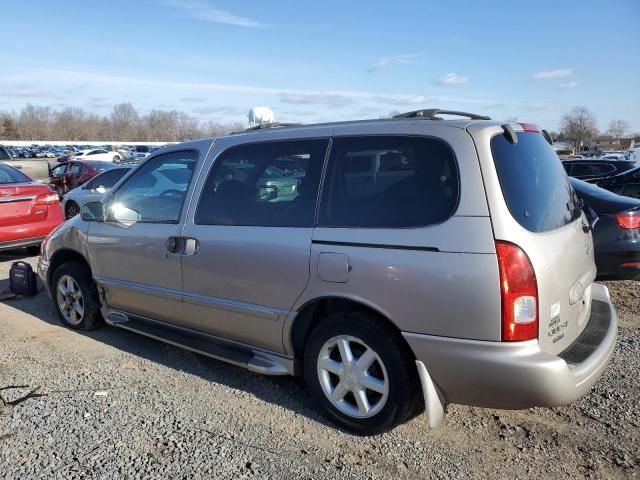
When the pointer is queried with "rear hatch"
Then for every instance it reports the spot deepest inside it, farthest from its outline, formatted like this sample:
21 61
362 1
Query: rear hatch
19 205
534 207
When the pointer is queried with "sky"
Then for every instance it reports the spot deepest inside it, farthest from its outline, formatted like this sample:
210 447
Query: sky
325 61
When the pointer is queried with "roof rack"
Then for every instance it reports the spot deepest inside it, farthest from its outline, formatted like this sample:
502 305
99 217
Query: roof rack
265 126
431 114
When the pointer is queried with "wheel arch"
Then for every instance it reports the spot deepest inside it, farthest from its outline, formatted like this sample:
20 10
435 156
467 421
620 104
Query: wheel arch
312 312
63 256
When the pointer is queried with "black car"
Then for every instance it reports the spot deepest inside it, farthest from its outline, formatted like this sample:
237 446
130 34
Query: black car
618 176
616 233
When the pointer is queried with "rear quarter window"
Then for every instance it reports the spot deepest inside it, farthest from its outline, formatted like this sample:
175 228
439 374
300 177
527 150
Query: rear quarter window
534 183
389 182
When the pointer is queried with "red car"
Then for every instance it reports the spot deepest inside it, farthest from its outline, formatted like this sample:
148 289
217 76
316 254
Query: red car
29 210
69 175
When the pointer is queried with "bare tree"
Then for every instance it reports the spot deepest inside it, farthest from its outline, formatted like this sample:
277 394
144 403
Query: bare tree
8 130
35 122
124 119
618 128
579 126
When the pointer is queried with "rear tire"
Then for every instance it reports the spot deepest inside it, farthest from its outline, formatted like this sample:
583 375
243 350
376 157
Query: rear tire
75 297
373 392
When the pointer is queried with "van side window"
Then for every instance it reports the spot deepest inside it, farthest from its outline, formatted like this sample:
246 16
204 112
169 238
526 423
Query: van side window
389 182
267 184
156 191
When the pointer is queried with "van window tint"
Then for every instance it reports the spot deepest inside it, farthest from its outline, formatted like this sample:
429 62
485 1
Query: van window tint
268 184
389 182
534 184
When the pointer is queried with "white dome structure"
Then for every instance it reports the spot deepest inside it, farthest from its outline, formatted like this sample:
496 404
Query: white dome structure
261 116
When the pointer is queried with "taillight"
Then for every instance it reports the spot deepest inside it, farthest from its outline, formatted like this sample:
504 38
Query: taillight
628 221
47 199
519 290
530 127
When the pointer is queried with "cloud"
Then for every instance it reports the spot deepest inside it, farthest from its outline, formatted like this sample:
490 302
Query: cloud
331 100
547 74
213 97
201 10
402 59
408 100
222 110
571 84
193 99
452 79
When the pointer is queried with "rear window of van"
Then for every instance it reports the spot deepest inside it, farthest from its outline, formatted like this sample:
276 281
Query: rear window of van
534 183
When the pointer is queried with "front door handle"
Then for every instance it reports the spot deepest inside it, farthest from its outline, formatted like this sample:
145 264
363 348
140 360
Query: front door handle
182 246
172 244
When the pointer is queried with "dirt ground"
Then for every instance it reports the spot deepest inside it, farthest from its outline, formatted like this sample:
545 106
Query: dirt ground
118 405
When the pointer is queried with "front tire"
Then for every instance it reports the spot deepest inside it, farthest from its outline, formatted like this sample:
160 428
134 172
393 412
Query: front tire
361 373
75 297
71 210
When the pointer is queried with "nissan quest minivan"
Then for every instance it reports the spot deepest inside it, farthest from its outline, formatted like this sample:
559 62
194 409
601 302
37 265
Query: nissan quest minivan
397 264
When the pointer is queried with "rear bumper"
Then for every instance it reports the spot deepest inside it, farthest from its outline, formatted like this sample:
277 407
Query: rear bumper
520 375
620 264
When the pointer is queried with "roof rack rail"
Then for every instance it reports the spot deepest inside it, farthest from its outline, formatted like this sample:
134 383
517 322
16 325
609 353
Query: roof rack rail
265 126
431 114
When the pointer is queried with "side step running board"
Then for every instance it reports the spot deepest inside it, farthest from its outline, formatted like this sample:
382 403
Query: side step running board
253 360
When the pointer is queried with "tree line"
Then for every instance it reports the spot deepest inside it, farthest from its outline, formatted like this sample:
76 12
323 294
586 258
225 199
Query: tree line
123 124
578 127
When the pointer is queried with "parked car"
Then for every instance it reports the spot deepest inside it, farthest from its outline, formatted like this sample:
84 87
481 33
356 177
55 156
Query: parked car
616 234
69 175
443 275
91 191
97 155
613 156
5 154
29 210
617 176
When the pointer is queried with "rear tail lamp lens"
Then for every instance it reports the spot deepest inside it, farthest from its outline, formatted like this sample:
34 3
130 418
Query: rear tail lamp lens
628 221
519 291
47 199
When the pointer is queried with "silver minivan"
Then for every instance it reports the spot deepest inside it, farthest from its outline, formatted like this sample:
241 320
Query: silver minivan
409 262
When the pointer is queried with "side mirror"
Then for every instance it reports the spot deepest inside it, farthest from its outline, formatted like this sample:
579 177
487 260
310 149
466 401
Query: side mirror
100 189
92 212
267 193
120 213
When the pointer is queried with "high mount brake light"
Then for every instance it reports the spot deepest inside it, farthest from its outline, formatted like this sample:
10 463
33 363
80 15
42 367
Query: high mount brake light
530 127
519 292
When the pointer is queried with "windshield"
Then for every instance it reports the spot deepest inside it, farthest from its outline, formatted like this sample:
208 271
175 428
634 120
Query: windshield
101 166
534 184
11 175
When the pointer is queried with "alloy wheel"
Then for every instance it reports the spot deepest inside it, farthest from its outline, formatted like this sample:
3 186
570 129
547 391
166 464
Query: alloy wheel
352 376
70 300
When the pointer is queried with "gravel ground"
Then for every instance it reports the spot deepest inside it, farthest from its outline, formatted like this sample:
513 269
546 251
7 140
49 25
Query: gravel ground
119 405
